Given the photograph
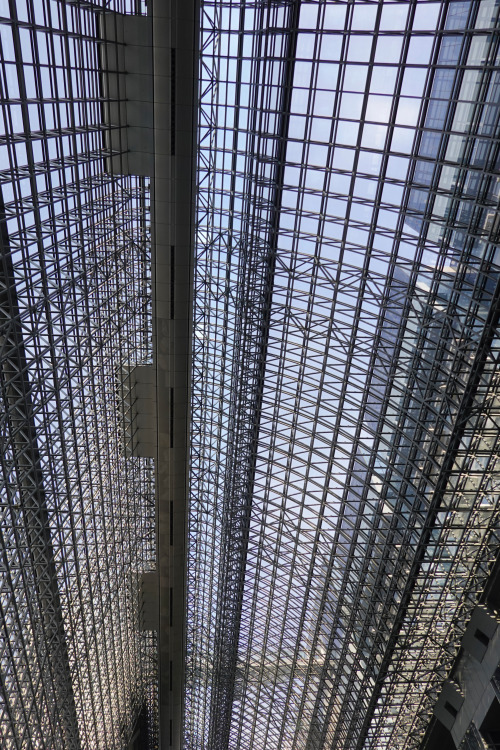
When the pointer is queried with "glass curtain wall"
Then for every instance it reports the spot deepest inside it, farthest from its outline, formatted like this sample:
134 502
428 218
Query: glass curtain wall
76 513
344 506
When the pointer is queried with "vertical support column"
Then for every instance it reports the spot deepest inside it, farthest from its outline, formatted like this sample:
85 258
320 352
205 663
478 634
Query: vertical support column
174 70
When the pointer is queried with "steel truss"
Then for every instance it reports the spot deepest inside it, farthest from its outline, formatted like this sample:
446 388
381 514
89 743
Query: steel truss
76 514
344 503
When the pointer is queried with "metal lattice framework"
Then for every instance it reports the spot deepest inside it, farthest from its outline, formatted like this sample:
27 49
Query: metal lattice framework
344 471
76 513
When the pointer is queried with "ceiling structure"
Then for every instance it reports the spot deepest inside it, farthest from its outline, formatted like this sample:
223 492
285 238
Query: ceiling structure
343 508
77 511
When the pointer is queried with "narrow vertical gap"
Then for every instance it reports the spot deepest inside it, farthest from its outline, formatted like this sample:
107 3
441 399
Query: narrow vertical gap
171 417
171 675
172 282
172 102
171 523
171 606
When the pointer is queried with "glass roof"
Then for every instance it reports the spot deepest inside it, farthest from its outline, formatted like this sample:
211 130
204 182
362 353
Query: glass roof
344 345
77 515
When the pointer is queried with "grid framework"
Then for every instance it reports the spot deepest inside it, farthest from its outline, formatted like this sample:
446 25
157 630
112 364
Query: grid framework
77 512
344 501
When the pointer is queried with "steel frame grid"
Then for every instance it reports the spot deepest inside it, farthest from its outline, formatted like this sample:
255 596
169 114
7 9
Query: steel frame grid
77 516
296 673
248 263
